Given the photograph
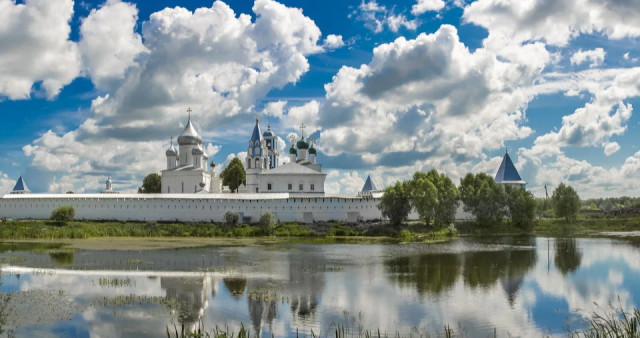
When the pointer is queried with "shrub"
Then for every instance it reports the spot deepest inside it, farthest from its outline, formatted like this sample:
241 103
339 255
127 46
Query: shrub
63 214
267 223
231 218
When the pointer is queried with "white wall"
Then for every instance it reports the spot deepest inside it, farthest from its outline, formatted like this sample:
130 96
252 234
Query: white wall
280 183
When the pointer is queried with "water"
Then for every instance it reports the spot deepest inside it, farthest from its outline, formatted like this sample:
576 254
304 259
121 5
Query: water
515 286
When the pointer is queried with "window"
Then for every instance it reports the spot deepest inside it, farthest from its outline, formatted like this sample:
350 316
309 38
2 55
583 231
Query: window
312 186
256 189
290 186
269 186
300 186
183 187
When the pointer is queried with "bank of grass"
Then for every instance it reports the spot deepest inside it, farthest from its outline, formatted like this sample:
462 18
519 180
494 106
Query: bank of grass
583 225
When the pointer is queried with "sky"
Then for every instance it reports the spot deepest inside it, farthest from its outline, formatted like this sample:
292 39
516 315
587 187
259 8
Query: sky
95 89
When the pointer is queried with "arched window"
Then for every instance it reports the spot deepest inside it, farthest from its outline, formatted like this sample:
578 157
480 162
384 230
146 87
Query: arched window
265 164
257 163
248 163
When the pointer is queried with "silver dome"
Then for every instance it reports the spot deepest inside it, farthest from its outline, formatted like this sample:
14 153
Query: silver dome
189 135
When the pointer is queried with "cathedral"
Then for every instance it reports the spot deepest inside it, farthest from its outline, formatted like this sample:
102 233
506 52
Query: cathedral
266 172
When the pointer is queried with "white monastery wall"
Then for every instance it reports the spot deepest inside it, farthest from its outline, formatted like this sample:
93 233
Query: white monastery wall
193 207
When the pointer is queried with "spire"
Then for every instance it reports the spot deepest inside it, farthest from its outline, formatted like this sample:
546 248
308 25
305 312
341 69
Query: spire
20 187
507 171
256 135
369 185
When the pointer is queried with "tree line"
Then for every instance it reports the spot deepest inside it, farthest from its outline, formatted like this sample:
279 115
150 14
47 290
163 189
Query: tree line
435 198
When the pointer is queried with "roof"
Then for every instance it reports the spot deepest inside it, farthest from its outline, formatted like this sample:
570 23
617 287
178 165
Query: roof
291 168
369 185
256 135
189 135
507 171
21 185
187 196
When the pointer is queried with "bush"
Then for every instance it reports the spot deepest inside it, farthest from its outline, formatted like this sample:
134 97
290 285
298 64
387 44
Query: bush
63 214
231 218
267 223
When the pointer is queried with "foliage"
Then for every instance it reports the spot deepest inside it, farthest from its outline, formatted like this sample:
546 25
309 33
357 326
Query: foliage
544 207
151 184
448 196
483 197
566 202
231 218
395 203
424 197
521 205
63 214
268 223
341 230
611 203
234 175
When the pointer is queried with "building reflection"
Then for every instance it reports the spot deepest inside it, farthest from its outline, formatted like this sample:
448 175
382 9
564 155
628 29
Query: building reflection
306 284
190 298
568 255
427 273
235 286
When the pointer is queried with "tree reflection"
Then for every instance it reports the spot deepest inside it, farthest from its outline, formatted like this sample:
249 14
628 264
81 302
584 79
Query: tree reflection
62 257
568 256
428 273
235 285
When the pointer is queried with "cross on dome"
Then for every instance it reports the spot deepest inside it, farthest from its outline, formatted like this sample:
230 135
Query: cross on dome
302 126
189 111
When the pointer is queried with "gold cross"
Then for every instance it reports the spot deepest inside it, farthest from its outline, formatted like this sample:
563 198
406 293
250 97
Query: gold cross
302 126
189 111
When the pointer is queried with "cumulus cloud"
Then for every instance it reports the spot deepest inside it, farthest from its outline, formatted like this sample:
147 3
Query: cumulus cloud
376 17
555 22
595 56
218 63
109 43
6 184
36 47
429 97
333 41
423 6
611 147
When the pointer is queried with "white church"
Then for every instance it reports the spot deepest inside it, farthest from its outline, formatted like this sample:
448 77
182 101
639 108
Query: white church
187 170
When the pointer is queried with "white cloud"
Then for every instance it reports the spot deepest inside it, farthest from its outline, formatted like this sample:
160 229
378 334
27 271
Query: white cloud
555 22
218 63
595 56
6 184
307 114
333 41
376 17
36 47
611 147
348 182
423 6
109 44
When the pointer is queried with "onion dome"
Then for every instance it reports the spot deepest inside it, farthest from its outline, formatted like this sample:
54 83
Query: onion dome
312 151
189 135
293 150
197 151
268 133
172 151
302 144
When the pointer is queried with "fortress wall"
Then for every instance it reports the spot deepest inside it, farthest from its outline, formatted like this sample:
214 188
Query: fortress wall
191 207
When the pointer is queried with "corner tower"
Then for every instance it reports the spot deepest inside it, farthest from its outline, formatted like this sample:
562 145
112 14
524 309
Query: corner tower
508 174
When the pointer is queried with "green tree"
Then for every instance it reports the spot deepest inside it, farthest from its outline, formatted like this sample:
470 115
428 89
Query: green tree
483 197
151 184
424 197
395 203
63 214
231 218
521 205
566 202
267 223
234 175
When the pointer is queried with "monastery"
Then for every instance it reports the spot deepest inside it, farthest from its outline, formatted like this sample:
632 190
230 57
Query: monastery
293 191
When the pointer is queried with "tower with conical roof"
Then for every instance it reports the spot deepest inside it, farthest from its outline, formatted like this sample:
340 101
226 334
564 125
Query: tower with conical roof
508 174
20 187
257 159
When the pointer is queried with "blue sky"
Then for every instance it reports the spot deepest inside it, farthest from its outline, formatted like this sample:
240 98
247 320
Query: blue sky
91 89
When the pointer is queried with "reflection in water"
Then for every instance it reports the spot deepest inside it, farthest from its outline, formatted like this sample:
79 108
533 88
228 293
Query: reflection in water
568 255
235 286
282 288
428 273
190 297
62 257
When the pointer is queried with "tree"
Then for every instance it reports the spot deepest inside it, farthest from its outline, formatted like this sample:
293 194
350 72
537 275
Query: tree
63 214
231 218
448 196
234 175
483 197
424 197
267 223
566 202
151 184
521 205
395 203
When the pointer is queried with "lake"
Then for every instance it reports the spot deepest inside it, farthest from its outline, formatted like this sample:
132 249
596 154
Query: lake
513 286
